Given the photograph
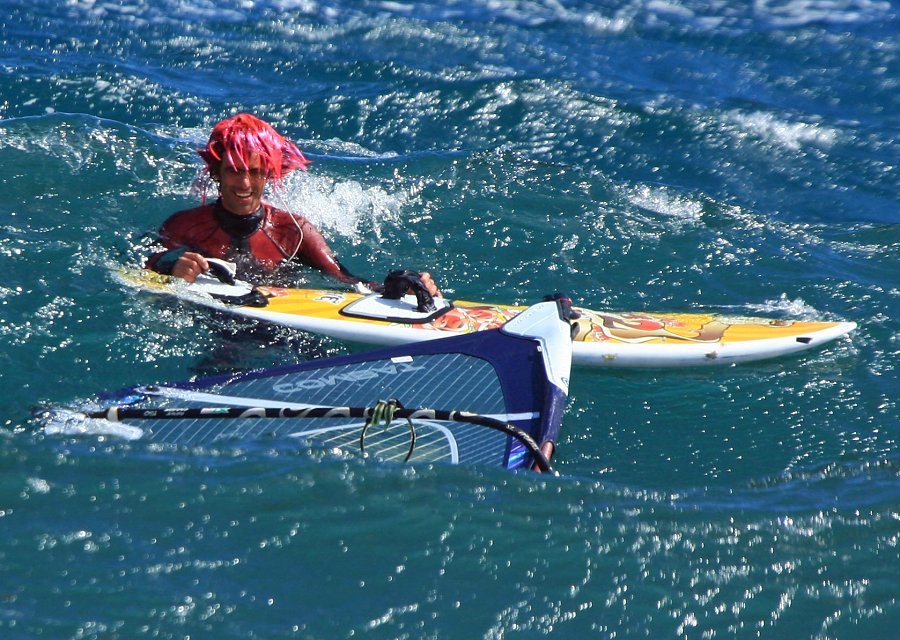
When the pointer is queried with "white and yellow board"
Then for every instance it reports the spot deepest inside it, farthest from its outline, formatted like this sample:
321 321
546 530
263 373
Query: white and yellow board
601 338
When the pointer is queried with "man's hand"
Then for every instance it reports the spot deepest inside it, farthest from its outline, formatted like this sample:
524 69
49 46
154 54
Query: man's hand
425 277
189 266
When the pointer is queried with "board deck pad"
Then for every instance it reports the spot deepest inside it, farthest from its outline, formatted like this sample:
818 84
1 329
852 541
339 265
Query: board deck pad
402 311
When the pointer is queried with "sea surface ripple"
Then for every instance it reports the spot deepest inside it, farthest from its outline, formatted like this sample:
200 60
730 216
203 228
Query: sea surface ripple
683 155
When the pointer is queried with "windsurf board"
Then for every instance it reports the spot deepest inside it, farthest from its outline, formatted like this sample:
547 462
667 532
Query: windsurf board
601 338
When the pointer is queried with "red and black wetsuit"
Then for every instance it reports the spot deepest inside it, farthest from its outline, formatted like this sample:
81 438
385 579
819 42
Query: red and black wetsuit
259 242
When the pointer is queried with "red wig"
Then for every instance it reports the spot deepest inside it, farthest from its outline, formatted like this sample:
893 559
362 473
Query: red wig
234 140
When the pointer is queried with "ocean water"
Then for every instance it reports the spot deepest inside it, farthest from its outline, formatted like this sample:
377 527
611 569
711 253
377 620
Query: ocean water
674 155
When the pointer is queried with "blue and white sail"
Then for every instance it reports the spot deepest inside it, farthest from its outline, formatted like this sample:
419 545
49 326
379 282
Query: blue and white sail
493 397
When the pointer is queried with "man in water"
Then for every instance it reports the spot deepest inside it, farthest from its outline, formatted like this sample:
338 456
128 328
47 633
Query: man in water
243 155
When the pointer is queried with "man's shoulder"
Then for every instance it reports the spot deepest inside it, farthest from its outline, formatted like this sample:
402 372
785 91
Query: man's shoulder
275 212
193 215
196 221
281 218
204 209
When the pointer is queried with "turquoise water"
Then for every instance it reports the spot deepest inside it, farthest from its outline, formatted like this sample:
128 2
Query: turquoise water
678 156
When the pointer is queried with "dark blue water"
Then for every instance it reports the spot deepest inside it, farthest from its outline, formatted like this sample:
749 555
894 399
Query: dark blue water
681 155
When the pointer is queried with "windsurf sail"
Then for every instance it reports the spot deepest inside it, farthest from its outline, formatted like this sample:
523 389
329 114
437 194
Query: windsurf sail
494 397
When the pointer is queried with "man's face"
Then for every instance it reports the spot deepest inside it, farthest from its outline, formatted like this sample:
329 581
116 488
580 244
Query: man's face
241 190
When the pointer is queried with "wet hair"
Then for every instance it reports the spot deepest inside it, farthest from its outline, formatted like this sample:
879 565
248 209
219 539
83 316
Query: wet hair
234 140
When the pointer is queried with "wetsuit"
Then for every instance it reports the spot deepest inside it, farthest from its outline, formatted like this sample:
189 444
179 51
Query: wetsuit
257 243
